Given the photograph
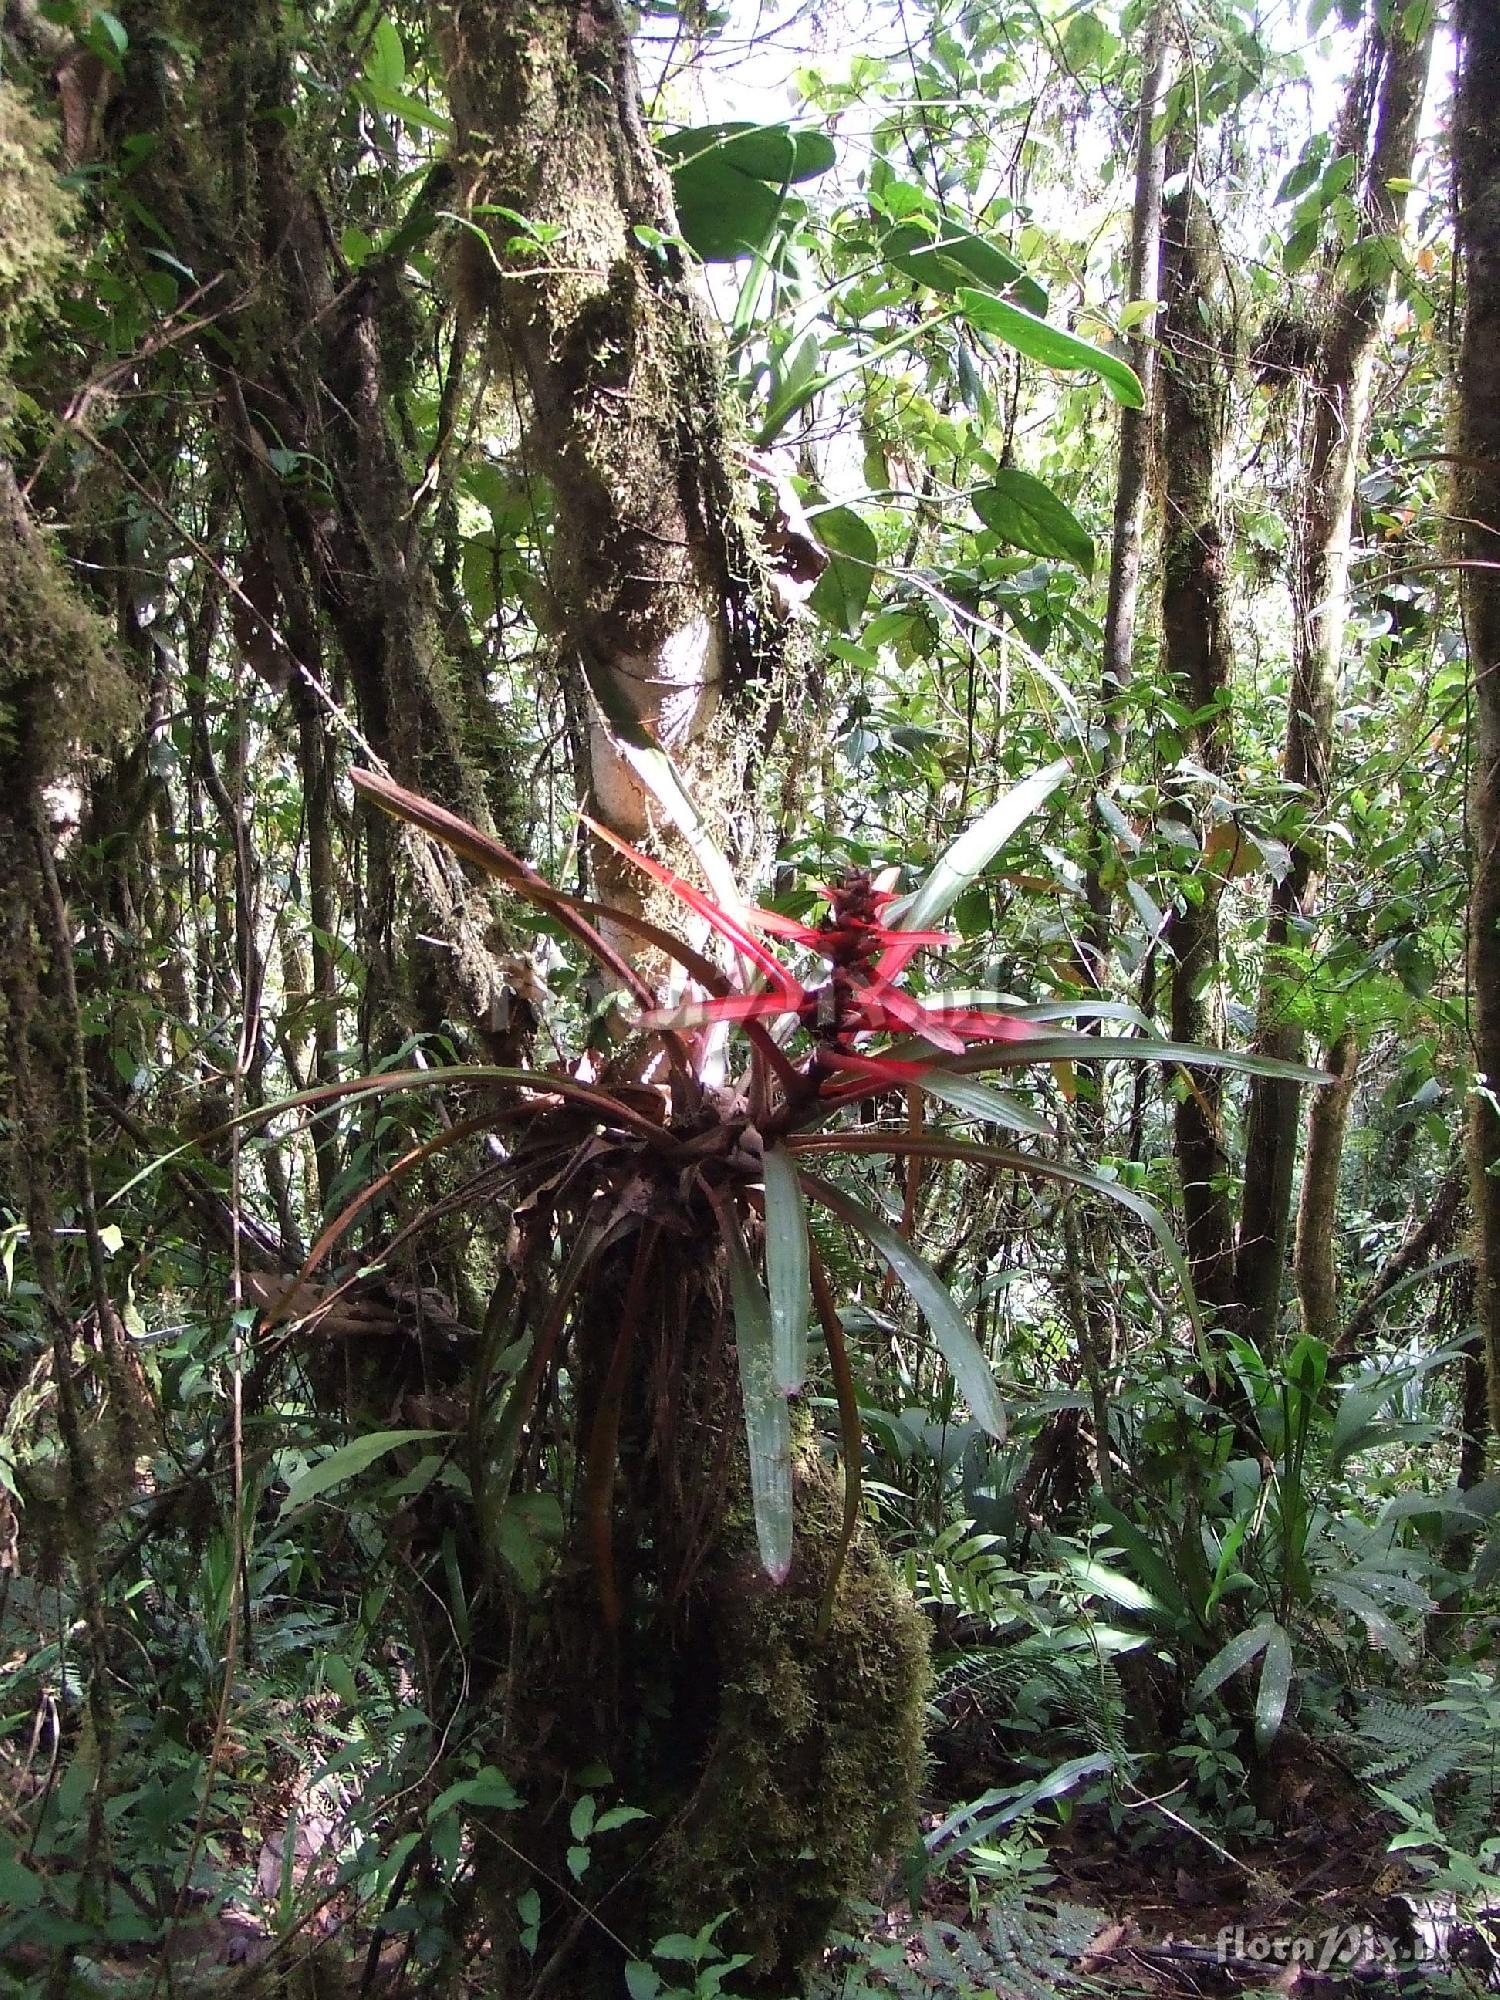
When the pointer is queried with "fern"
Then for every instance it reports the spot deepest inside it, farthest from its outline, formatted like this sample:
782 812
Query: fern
962 1570
1026 1949
1441 1755
1408 1748
1041 1683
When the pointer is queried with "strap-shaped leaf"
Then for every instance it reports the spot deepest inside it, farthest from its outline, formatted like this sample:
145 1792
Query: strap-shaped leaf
982 1100
787 1278
1237 1653
956 1342
347 1462
768 1426
938 1146
1133 1048
975 848
1383 1630
1275 1684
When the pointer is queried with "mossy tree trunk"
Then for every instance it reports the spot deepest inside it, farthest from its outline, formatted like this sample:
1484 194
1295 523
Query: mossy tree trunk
1476 149
1352 313
776 1760
1198 654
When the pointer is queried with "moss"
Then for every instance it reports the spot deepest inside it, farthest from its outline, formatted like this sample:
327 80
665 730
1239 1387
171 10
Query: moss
817 1749
34 216
59 685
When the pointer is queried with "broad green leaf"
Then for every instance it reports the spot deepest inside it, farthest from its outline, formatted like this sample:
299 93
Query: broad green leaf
1275 1684
489 1789
1025 512
1087 43
1051 345
787 1279
385 58
1230 1658
347 1462
945 257
975 848
956 1342
642 1981
731 181
843 590
1156 1572
401 104
21 1888
768 1428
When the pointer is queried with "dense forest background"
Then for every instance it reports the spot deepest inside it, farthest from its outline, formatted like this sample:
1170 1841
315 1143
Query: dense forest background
750 974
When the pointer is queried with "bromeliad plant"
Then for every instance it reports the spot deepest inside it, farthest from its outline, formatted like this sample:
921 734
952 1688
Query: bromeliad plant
653 1154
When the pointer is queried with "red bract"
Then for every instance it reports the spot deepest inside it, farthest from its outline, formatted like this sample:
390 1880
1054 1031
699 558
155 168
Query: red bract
859 997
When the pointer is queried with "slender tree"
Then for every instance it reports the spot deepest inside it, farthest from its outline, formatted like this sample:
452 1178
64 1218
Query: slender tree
1351 314
1198 655
1476 154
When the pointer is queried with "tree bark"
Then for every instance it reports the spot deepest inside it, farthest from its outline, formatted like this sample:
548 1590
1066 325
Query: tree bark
1314 1262
606 336
1133 467
1476 151
1198 654
1340 392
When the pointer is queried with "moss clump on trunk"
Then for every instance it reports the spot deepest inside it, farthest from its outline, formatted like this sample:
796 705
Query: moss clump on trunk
816 1751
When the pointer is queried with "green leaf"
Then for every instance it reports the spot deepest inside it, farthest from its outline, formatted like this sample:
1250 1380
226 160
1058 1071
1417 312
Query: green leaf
642 1981
787 1279
347 1462
974 1821
401 104
489 1789
1275 1684
1230 1658
1103 1581
1299 246
975 848
731 181
1157 1574
385 58
1023 511
945 257
768 1429
1087 43
1050 345
1382 1629
938 1145
581 1819
983 1101
956 1343
1132 1048
21 1888
843 590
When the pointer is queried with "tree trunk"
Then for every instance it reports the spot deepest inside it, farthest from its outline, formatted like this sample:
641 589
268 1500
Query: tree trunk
606 336
1198 654
1340 392
1132 469
1476 152
1313 1260
745 1752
